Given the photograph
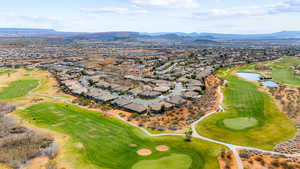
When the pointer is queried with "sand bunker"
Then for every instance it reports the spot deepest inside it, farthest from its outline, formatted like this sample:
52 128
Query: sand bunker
162 148
132 145
144 152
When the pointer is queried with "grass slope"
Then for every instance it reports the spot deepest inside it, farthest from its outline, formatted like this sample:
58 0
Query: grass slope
243 99
18 88
107 142
6 71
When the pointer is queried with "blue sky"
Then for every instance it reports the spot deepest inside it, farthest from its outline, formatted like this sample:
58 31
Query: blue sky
221 16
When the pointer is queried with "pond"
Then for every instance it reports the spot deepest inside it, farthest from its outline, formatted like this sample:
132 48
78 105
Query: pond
269 83
257 77
249 76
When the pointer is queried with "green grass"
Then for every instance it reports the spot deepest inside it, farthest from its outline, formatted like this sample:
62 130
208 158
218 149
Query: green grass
286 76
6 71
18 88
281 73
243 99
240 123
106 141
174 161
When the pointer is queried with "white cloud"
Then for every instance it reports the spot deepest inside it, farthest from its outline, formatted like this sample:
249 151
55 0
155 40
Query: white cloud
168 3
114 10
31 18
284 7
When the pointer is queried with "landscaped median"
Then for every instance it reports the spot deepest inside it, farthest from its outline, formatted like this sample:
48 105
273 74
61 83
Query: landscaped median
103 142
251 117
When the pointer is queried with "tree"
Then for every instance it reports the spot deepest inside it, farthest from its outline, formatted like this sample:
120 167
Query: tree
163 108
188 135
223 153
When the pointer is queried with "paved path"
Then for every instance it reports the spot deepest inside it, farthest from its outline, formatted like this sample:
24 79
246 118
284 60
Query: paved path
232 147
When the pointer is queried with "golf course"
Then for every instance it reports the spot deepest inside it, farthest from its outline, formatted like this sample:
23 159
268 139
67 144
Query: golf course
251 117
109 143
95 140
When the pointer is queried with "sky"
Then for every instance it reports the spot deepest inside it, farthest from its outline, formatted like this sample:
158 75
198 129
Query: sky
218 16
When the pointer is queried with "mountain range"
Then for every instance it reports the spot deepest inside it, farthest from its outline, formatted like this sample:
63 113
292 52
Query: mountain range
27 32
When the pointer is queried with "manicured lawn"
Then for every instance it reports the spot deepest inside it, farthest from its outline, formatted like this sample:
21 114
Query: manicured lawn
240 123
110 143
174 161
286 76
18 89
242 99
281 72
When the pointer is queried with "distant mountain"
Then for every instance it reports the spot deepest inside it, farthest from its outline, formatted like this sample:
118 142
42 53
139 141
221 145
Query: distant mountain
28 32
125 35
107 36
287 34
277 35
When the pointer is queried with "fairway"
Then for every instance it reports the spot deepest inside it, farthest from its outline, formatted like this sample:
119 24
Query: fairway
174 161
286 76
18 89
242 100
240 123
110 143
6 71
282 73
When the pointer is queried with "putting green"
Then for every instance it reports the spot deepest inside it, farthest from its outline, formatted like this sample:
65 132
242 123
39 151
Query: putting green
240 123
174 161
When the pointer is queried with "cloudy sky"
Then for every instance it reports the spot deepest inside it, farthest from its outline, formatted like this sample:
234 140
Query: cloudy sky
221 16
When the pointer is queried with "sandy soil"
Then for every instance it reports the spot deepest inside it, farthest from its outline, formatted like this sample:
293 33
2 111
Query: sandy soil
162 148
38 163
255 162
144 152
228 161
3 166
13 76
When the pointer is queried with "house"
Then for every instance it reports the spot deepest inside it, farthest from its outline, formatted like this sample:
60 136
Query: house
101 96
176 100
121 89
102 85
135 91
149 94
74 87
162 89
135 107
190 95
121 102
157 107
